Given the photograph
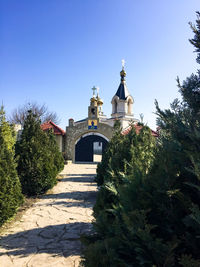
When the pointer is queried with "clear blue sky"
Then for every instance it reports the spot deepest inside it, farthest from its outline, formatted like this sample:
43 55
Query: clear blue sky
54 51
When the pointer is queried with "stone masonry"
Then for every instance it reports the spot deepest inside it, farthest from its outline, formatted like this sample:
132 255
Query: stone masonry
75 130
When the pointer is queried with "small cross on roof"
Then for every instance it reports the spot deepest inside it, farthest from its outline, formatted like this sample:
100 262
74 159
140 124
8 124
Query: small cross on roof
94 90
123 63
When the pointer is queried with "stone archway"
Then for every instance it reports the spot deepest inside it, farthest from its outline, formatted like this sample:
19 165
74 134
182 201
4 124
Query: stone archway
88 144
78 130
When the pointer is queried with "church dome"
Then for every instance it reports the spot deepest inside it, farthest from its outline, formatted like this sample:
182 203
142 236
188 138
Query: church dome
93 99
122 74
99 101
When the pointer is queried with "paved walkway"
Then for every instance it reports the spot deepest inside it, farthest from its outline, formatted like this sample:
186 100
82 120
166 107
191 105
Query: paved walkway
48 232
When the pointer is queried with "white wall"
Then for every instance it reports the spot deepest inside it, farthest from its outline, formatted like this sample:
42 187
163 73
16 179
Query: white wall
59 140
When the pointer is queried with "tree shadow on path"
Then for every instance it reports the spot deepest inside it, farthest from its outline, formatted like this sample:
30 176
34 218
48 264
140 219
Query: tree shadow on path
70 199
74 198
79 179
57 239
54 239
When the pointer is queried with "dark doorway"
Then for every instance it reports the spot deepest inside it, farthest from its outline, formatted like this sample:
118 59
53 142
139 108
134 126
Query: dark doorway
89 148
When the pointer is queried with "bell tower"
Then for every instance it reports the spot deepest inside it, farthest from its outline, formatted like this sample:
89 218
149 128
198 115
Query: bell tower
93 112
122 101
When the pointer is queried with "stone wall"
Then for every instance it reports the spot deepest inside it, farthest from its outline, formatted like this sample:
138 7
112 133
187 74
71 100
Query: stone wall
75 130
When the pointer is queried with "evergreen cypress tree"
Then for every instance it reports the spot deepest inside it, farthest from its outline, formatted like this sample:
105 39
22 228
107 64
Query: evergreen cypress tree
130 156
37 166
104 168
156 218
161 227
10 187
196 40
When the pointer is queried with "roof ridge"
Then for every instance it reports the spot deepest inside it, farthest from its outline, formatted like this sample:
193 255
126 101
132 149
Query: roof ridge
137 128
54 125
57 126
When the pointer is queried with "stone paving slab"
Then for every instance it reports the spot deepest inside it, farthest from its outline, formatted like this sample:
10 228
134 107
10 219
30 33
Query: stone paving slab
48 234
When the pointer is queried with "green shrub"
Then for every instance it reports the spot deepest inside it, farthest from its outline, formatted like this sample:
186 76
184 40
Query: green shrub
10 187
39 160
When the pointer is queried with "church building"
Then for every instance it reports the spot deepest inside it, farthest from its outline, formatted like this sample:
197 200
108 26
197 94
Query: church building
87 138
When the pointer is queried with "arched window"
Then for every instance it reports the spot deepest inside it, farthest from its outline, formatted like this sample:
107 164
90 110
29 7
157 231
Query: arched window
129 106
115 106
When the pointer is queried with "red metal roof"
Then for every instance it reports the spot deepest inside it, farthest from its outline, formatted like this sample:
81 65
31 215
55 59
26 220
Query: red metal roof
50 125
138 128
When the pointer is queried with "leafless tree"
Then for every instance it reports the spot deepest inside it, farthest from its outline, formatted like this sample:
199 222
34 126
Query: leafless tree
41 111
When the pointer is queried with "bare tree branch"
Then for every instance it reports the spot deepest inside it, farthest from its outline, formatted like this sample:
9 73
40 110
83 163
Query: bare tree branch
40 111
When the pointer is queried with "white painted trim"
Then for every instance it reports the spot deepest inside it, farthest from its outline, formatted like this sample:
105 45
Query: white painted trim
92 133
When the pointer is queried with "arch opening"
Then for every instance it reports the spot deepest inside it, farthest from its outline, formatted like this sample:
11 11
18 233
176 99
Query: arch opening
89 147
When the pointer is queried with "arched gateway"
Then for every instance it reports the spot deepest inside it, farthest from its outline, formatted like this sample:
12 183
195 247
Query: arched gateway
89 146
82 142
